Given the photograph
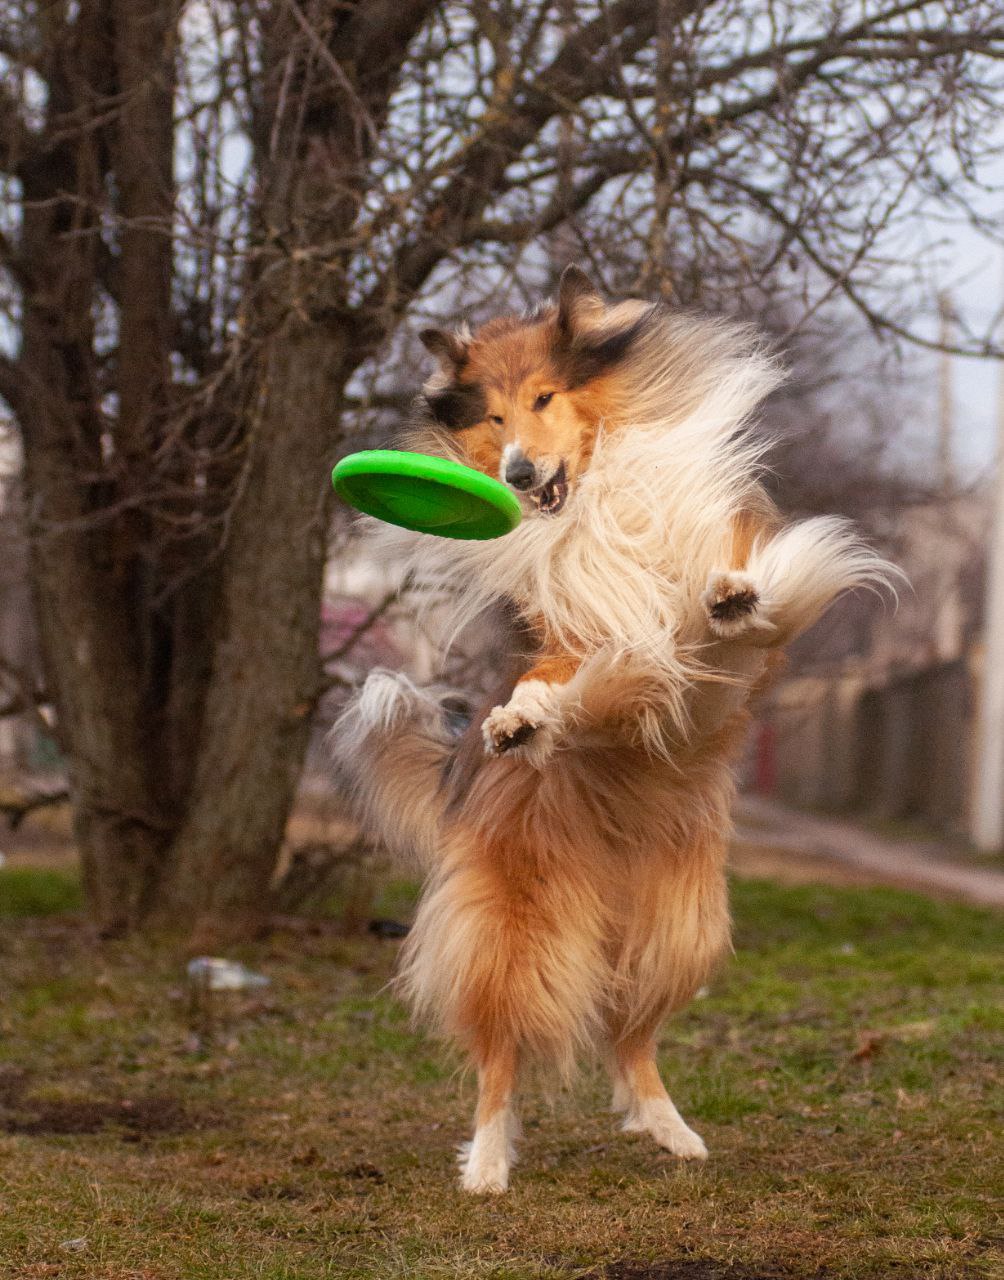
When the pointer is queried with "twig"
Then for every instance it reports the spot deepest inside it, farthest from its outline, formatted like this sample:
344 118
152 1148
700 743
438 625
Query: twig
17 810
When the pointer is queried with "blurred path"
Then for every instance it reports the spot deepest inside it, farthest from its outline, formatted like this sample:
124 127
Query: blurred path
772 839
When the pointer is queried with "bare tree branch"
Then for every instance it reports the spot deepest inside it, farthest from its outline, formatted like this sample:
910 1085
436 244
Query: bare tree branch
16 810
580 67
330 682
843 280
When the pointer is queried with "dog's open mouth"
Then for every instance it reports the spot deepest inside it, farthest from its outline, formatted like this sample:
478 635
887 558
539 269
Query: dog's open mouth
550 497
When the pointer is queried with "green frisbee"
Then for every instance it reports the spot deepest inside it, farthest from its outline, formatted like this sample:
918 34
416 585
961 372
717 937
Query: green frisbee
427 494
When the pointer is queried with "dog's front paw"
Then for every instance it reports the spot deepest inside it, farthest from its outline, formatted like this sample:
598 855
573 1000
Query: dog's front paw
732 605
528 723
505 728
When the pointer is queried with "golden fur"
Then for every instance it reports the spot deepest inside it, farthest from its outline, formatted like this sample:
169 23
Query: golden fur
575 837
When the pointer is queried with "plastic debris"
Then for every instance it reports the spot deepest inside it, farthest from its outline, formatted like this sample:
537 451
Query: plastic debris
212 973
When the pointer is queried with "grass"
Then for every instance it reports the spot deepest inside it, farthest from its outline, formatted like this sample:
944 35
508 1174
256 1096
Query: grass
842 1069
31 891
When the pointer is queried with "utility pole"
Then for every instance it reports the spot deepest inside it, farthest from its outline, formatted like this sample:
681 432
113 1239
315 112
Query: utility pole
946 402
988 797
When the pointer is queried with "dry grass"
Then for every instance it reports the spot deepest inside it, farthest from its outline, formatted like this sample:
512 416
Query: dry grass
842 1069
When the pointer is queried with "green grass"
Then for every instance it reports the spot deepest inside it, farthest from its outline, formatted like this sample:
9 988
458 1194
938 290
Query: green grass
844 1069
31 891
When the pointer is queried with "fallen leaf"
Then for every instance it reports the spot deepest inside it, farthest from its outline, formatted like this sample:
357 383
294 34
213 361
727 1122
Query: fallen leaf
869 1043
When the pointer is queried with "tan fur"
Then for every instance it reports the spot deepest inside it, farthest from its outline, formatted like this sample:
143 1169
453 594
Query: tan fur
571 901
576 890
514 367
755 524
555 669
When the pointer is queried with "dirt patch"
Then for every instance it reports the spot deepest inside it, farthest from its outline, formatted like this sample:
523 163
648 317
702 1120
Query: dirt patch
693 1269
13 1082
136 1118
363 1171
756 861
853 853
269 1190
709 1269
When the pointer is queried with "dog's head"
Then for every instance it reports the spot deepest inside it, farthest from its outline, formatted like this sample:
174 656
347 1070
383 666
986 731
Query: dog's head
524 398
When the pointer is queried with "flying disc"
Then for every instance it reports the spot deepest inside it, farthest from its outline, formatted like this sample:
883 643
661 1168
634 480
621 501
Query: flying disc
427 494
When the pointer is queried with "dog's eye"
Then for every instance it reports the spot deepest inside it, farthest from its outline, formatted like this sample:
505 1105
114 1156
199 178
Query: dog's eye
494 417
543 401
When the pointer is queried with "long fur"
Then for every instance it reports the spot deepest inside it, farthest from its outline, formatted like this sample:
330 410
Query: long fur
576 888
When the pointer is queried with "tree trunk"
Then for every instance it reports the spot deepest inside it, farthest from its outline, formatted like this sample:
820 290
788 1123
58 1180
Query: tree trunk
185 670
83 566
266 670
266 673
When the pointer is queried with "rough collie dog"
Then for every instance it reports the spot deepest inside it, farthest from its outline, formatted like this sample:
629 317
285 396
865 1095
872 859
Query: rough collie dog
575 835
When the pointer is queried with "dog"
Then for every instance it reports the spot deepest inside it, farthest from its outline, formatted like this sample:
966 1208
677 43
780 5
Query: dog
574 837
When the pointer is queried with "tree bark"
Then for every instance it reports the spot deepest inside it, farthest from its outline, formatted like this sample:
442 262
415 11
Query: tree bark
82 567
185 667
266 671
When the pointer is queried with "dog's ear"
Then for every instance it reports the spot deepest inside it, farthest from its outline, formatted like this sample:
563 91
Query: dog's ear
585 345
450 349
577 297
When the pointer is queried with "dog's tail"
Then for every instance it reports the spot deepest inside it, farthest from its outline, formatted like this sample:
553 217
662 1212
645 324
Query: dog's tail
801 570
391 745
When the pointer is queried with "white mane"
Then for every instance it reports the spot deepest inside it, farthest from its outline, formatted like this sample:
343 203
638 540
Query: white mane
618 575
622 566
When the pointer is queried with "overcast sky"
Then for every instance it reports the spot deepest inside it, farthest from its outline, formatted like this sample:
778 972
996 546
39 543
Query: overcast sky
978 268
976 382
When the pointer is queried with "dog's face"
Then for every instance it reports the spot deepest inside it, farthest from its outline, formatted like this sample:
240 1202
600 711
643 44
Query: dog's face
536 433
524 398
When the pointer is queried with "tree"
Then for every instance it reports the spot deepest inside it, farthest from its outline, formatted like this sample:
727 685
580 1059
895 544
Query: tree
219 214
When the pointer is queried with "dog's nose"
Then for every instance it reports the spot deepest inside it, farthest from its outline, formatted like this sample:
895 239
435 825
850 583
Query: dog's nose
520 472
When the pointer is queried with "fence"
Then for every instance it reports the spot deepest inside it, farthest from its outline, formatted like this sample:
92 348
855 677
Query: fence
902 749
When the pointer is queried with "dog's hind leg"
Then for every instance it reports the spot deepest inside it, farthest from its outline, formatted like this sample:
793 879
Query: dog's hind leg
640 1093
485 1160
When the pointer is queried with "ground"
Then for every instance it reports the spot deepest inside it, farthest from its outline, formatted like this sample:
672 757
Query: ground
842 1069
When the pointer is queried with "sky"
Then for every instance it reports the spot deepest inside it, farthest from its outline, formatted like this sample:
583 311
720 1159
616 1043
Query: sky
974 274
976 383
